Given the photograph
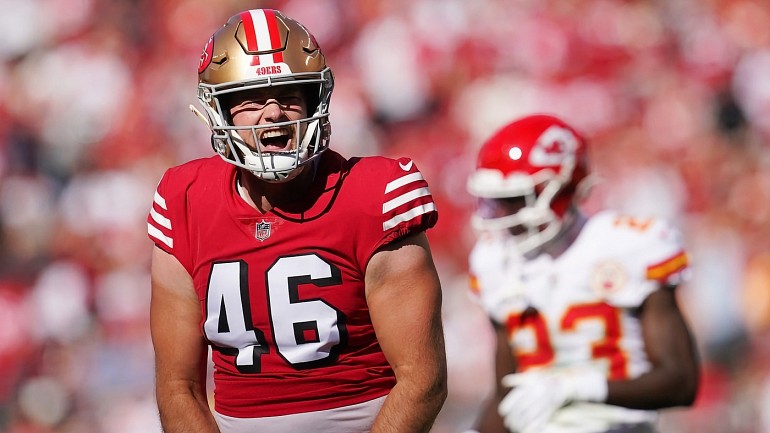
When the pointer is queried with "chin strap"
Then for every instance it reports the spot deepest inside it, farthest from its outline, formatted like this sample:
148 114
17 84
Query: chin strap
309 135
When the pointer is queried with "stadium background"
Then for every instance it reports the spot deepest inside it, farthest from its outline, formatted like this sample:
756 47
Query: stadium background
675 95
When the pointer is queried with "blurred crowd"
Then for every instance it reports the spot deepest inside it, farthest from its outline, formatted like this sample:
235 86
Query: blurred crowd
674 96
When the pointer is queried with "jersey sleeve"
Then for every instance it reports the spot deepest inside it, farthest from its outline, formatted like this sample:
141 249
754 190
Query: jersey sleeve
655 257
485 262
167 222
669 265
408 205
402 206
495 282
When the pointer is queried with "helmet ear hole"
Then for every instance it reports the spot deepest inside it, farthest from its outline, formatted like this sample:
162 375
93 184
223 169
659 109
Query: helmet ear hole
225 105
327 130
219 145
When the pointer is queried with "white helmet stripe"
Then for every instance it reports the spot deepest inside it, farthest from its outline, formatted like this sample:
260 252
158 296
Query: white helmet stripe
262 35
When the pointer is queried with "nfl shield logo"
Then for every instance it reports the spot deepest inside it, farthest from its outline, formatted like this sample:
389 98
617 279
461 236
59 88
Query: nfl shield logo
263 230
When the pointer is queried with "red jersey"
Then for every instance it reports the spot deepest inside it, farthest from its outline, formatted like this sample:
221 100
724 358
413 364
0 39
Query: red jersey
282 294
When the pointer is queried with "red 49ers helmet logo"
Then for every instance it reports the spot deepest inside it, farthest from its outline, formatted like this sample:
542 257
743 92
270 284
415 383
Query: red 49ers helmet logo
208 52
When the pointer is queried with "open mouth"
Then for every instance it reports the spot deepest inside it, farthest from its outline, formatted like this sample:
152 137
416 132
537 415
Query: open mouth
278 139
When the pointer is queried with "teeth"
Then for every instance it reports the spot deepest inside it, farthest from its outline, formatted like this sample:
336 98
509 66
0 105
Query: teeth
275 133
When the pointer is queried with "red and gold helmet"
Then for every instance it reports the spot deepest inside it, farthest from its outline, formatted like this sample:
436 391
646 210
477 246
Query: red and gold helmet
527 175
262 48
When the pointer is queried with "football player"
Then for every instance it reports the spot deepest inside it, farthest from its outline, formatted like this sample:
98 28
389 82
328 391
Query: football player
308 276
589 335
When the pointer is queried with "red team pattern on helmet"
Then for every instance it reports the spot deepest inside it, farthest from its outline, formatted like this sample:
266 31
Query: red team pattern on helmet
261 29
206 55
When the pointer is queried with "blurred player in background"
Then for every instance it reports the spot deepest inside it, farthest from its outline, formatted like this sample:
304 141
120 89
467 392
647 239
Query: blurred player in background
309 275
589 335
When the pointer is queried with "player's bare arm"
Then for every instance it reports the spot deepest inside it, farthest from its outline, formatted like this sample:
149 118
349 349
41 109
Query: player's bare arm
489 420
673 379
404 297
180 351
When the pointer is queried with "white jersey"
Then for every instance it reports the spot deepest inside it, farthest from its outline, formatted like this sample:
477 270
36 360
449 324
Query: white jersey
579 309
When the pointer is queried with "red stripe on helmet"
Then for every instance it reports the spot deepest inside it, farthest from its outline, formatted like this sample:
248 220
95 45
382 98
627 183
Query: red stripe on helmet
275 36
251 34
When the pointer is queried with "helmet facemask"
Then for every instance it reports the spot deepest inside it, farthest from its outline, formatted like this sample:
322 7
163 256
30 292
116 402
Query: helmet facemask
310 134
532 219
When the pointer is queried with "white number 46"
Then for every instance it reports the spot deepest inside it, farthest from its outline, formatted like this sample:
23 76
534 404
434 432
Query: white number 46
307 333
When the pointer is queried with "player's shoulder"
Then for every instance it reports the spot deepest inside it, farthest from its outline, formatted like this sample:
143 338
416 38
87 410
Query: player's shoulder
487 251
180 177
494 275
168 214
389 184
640 251
632 232
383 168
392 192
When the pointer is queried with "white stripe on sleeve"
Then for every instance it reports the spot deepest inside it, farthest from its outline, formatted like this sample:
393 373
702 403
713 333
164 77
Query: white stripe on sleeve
404 198
160 219
408 215
403 180
160 200
157 234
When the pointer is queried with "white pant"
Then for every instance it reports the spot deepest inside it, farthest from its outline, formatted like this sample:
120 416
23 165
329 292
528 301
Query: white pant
357 418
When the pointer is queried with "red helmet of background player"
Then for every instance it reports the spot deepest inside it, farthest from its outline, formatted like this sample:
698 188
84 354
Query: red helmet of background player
527 176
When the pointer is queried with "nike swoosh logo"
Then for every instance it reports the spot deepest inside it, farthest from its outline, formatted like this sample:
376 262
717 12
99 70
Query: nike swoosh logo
406 167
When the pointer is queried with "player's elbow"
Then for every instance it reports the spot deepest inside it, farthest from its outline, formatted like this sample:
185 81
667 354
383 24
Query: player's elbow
690 390
438 395
441 390
436 390
685 396
684 389
427 383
